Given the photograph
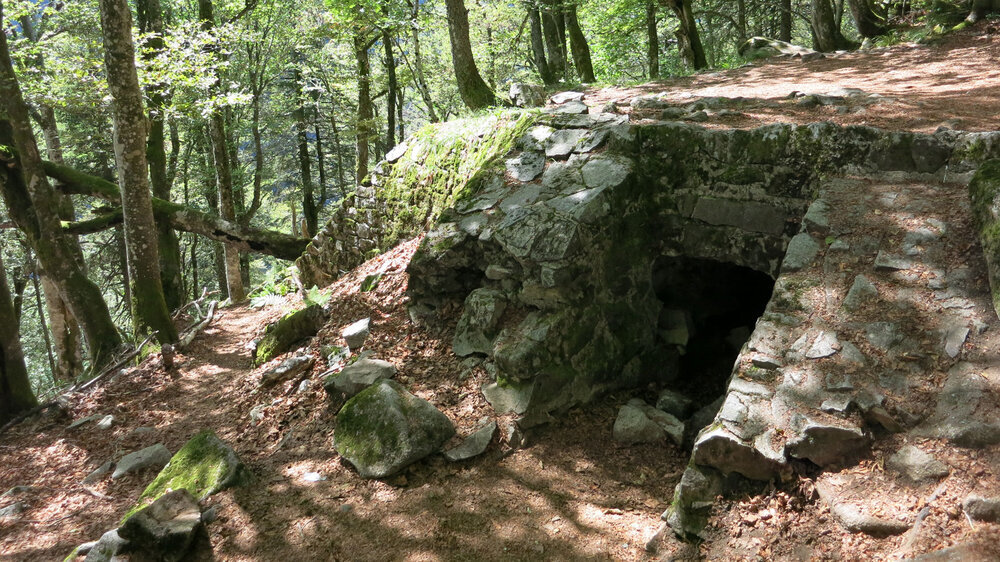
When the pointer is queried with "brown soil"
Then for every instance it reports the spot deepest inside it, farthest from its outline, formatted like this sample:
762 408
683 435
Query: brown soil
572 493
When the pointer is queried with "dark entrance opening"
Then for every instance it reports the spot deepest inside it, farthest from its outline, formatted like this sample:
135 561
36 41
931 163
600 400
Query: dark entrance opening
709 310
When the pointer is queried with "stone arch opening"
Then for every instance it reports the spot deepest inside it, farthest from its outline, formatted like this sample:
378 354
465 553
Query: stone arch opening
709 311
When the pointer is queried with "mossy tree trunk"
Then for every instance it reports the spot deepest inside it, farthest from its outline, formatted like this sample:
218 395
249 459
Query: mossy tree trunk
579 47
785 21
32 204
15 388
556 55
471 87
365 113
150 20
149 308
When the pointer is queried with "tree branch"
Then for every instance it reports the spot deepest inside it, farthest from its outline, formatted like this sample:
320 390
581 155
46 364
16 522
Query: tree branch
182 218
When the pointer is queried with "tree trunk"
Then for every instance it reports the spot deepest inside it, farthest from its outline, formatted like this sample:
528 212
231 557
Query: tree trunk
741 22
652 42
149 309
418 65
390 99
578 44
150 21
33 206
309 210
224 176
689 41
364 125
66 342
826 36
868 22
785 25
557 62
538 47
40 310
15 388
474 91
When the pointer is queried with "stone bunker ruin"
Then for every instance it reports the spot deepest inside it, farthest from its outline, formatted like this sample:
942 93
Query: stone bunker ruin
593 253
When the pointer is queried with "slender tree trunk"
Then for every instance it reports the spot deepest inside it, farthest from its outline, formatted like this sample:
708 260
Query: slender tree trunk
474 91
15 388
741 22
652 41
364 125
418 64
390 98
224 177
557 63
149 309
32 204
309 210
320 167
538 46
785 25
66 343
64 327
578 44
40 310
150 21
341 182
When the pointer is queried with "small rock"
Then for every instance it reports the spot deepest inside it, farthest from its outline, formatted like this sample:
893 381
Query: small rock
526 166
287 369
817 219
396 153
861 290
825 345
155 456
257 412
357 333
917 465
633 426
105 549
81 421
563 97
571 108
210 514
827 444
801 252
954 339
106 422
12 511
856 521
473 445
982 509
165 528
696 117
358 376
674 403
885 261
98 473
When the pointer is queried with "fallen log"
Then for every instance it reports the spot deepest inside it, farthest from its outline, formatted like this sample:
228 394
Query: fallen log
180 217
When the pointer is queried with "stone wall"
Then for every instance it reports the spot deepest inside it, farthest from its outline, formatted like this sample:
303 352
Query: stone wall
406 192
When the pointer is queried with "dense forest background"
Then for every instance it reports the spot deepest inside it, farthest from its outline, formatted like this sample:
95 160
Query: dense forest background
267 113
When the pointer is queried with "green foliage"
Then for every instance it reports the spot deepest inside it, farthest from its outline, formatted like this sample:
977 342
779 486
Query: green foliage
317 296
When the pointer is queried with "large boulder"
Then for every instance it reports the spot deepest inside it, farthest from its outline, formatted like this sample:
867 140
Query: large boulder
384 429
203 466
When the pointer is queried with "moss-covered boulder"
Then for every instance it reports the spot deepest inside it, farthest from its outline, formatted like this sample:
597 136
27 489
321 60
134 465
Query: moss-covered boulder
204 465
165 529
280 336
984 193
384 429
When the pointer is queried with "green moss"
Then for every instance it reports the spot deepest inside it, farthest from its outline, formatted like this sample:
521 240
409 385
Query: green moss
290 329
445 163
151 348
370 436
203 466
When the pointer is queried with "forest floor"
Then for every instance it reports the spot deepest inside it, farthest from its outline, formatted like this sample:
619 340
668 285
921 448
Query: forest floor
571 493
